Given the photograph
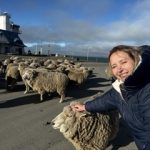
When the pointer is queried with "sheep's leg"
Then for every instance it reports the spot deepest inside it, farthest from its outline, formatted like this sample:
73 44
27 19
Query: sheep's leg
41 92
12 85
27 88
62 98
8 81
6 84
41 97
26 91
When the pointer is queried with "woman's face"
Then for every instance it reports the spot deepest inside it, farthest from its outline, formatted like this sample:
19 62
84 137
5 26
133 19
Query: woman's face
122 65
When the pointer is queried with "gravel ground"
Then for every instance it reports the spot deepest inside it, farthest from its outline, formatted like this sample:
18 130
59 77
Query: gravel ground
23 123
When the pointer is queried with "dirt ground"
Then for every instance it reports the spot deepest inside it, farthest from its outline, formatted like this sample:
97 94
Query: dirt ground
24 119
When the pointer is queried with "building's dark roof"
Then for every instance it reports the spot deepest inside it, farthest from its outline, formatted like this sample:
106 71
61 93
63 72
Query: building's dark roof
12 38
15 25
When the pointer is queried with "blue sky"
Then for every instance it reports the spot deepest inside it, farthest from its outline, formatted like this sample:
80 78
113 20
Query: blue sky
95 26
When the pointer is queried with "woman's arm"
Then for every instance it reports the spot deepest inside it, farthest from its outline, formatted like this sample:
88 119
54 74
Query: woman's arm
102 103
99 104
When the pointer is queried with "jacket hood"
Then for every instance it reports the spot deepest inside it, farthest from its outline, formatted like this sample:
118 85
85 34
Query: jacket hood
141 75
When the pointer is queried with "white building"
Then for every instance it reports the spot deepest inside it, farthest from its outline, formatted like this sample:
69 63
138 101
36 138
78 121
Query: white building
10 41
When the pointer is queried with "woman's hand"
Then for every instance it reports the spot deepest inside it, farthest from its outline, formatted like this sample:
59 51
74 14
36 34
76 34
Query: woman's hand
78 107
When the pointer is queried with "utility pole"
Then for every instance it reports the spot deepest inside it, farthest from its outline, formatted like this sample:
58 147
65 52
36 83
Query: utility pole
87 55
49 49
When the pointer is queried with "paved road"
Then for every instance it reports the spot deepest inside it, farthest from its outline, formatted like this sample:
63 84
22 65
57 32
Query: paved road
23 118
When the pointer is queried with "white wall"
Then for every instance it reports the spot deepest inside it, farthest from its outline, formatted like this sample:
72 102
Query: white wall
3 22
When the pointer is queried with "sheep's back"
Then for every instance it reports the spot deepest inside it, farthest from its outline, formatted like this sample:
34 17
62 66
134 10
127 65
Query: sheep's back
76 76
95 131
51 81
13 72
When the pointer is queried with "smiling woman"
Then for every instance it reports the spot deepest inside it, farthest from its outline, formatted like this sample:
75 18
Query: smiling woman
123 67
123 61
129 66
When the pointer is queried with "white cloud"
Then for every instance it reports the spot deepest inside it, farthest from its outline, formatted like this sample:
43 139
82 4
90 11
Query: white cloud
132 28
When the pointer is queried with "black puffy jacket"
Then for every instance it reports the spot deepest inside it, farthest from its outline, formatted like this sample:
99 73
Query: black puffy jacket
133 105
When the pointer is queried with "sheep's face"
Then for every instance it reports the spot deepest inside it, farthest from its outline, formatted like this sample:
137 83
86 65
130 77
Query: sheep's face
66 121
29 74
21 65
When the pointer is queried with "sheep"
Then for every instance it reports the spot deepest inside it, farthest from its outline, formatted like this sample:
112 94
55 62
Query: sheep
52 66
2 69
12 75
5 63
87 131
34 65
47 62
43 82
77 75
22 68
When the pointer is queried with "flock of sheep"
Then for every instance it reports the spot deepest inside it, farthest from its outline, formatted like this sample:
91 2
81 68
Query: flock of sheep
84 130
44 75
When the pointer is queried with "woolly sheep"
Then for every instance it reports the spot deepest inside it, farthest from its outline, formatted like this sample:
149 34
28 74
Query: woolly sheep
52 67
5 63
87 131
2 69
77 76
22 68
34 65
12 75
47 62
43 82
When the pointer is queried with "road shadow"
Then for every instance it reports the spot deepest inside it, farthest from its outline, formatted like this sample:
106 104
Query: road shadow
91 87
35 98
2 82
73 92
19 86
